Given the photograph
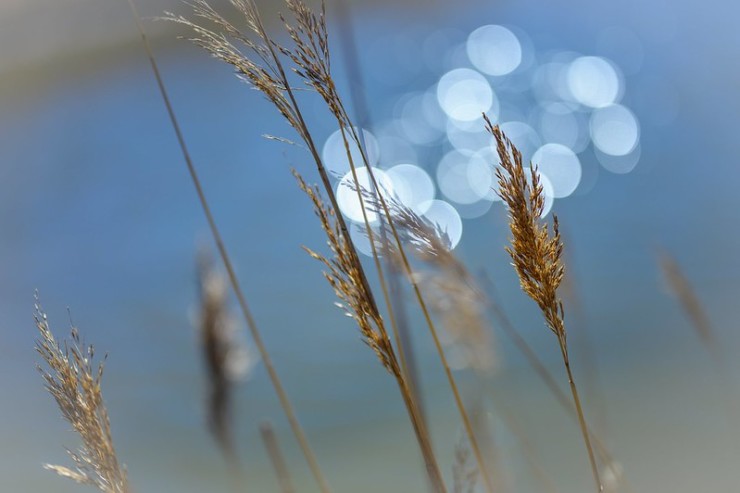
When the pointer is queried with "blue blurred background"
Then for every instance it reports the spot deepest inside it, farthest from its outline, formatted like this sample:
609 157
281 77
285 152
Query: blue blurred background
631 108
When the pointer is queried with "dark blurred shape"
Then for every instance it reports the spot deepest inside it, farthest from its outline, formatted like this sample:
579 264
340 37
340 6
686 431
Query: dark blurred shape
276 457
216 345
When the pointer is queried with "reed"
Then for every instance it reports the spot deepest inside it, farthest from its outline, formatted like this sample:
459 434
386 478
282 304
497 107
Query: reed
343 275
310 62
460 303
72 378
537 256
254 330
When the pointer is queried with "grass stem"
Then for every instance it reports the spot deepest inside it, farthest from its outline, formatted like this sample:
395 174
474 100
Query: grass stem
226 259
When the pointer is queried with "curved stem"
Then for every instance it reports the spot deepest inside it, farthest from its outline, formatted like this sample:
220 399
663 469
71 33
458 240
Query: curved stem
226 259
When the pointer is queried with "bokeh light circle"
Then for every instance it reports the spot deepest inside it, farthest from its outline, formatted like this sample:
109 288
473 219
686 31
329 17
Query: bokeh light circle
464 177
446 218
561 166
347 198
334 153
619 164
614 130
594 82
412 186
524 137
463 94
494 50
361 240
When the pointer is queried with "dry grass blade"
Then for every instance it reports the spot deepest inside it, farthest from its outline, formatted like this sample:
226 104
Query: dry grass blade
458 300
503 322
344 277
452 292
285 403
343 274
312 63
310 59
75 383
259 64
536 255
351 57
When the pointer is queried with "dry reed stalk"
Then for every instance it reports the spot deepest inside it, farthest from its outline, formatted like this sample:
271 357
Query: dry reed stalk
263 69
276 458
312 63
311 59
285 403
550 381
458 300
343 274
452 291
583 346
75 383
694 310
536 256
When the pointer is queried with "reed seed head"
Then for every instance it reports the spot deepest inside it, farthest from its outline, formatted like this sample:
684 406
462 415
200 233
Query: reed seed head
74 381
345 276
452 292
536 253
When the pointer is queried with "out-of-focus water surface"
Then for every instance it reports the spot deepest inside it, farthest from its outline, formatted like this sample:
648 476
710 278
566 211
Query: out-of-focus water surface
97 212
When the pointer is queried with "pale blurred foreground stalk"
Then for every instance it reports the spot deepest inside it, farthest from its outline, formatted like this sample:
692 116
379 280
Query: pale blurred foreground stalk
75 383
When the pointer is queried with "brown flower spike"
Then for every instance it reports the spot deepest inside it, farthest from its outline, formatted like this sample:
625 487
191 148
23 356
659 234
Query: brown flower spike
536 254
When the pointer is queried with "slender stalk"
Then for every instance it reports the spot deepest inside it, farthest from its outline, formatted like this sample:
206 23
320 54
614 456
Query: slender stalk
418 424
226 259
536 254
343 275
581 417
583 346
467 424
312 63
270 77
422 435
276 457
373 247
545 375
539 367
529 451
310 143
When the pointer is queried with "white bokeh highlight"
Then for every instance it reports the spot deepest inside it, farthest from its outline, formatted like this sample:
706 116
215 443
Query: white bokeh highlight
494 50
463 94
